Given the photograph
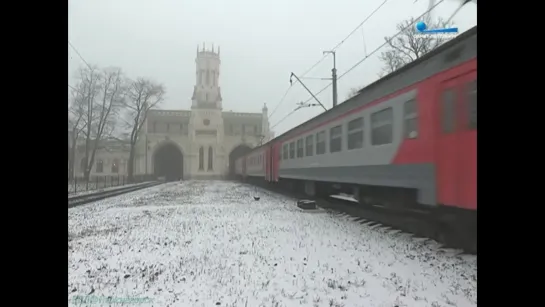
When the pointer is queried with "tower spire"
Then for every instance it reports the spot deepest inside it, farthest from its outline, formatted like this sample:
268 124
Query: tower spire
212 47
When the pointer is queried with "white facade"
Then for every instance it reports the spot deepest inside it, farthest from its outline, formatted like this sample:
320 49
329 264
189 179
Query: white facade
204 135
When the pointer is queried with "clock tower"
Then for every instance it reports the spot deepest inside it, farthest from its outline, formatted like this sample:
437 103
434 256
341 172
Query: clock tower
206 114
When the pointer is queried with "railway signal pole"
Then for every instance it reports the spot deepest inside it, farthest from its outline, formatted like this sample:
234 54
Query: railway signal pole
333 77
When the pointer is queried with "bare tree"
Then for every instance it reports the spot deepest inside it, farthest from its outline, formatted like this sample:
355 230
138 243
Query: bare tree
142 95
76 123
410 45
102 95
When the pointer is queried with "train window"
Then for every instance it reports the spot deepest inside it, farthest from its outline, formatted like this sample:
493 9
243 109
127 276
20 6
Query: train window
472 104
335 139
448 111
410 119
292 150
300 148
355 133
309 144
382 127
285 152
320 143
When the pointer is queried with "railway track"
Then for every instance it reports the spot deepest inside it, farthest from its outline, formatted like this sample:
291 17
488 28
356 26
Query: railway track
79 200
419 223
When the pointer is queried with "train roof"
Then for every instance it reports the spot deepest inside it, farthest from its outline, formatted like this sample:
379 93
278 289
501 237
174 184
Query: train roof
460 38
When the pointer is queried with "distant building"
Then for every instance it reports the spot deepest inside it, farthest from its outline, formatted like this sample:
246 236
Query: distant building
201 143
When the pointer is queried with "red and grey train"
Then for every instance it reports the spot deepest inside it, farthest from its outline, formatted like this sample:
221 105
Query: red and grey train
408 140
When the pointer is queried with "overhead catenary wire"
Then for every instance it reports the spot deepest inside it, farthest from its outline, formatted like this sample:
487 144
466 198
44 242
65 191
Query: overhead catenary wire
280 102
70 86
80 56
347 37
327 54
84 61
364 58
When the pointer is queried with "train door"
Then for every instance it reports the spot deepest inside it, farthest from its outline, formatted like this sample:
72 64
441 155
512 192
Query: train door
276 161
457 142
267 163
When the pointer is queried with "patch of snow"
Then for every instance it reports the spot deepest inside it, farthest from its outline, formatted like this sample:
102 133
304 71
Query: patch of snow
203 243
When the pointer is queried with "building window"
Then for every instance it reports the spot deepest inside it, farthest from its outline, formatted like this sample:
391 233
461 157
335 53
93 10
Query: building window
448 111
410 114
201 158
472 104
115 166
309 144
335 139
292 150
210 158
213 77
355 134
100 166
168 127
320 143
285 152
207 77
300 148
382 127
154 127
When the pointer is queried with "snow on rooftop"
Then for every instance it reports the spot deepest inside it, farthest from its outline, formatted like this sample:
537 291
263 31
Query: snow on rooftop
202 243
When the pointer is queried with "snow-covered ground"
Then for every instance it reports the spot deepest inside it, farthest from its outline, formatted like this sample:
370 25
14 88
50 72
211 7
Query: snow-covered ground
202 243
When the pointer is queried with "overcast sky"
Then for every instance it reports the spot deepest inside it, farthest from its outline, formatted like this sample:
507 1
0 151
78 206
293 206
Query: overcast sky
262 42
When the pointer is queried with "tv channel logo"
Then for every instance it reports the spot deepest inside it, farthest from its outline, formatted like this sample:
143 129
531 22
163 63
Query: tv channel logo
422 30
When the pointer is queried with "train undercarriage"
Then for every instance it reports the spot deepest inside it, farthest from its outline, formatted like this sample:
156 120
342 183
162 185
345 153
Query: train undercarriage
450 226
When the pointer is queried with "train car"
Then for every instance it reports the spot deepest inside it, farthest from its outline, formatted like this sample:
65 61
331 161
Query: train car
406 141
238 167
412 132
255 162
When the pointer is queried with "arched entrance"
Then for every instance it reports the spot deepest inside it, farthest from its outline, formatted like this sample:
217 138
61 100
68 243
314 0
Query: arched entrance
237 152
168 162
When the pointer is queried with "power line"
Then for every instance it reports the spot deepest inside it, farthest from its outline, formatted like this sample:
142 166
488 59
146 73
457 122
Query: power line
366 57
280 121
347 37
77 52
281 100
327 54
394 36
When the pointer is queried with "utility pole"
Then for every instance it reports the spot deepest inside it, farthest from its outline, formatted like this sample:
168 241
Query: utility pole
334 77
306 88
